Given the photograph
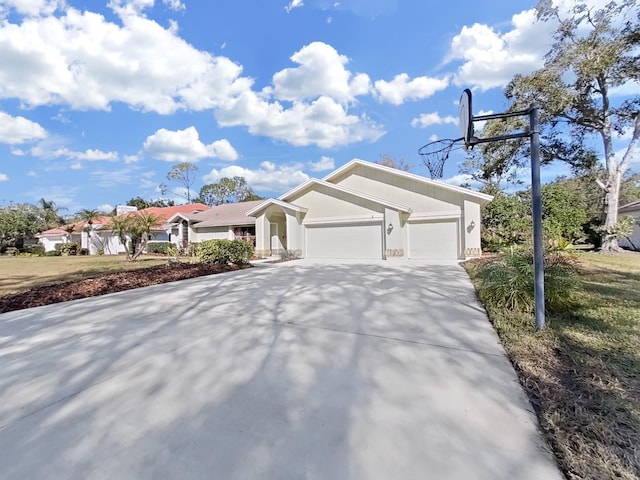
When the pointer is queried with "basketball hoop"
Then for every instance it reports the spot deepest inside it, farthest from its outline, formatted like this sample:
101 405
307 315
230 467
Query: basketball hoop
434 155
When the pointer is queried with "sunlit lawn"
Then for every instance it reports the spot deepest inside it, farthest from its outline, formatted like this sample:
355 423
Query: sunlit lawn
21 273
583 373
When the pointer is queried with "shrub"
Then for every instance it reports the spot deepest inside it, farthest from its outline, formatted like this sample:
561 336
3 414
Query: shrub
12 251
36 250
52 253
84 251
289 254
237 252
508 282
66 249
164 248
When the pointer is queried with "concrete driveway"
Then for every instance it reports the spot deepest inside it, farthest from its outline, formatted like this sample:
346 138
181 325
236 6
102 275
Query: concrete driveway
293 371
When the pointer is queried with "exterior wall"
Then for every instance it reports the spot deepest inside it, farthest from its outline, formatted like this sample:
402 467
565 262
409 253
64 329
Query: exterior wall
635 236
394 231
471 245
420 197
49 243
326 204
212 233
294 232
263 248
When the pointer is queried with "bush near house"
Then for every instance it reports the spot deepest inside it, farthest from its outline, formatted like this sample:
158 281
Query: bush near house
66 249
237 252
162 248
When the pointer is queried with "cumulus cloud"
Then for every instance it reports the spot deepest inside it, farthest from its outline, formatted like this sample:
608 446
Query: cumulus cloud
15 130
268 178
321 71
323 122
402 88
491 58
30 7
322 165
50 150
293 4
105 208
434 118
4 177
186 146
463 179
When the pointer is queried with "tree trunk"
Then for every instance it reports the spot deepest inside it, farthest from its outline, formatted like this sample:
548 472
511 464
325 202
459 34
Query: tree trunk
616 172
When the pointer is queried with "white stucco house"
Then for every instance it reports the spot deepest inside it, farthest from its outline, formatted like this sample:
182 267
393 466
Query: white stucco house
632 210
365 210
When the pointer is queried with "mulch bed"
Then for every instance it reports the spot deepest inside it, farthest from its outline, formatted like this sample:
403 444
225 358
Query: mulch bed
110 283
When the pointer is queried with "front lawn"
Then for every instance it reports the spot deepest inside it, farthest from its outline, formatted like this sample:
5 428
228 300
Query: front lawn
582 374
18 274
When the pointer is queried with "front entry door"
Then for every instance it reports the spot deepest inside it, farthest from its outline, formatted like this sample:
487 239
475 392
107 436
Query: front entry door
275 239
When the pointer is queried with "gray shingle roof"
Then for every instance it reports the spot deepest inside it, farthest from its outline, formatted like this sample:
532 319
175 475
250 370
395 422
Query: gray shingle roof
226 214
630 207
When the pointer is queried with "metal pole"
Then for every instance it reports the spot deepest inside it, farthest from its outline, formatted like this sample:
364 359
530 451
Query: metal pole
538 253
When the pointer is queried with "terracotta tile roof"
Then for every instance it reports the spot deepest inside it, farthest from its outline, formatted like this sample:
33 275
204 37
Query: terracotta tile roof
630 207
225 214
163 213
52 232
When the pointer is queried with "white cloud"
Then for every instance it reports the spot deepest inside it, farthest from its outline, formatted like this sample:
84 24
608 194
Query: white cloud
627 89
76 166
83 60
491 58
321 71
14 130
322 165
323 122
185 146
174 4
463 179
433 138
90 155
401 88
267 178
105 208
427 119
4 177
293 4
110 178
130 158
30 7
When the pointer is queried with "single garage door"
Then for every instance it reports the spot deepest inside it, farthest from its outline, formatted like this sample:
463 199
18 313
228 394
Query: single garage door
433 240
344 241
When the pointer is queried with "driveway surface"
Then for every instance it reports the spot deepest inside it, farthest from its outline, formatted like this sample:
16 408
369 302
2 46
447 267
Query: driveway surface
290 371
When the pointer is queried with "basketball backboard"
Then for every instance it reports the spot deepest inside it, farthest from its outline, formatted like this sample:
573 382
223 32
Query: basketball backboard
466 117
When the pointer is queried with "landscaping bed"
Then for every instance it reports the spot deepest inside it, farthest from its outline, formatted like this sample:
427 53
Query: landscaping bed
109 283
582 373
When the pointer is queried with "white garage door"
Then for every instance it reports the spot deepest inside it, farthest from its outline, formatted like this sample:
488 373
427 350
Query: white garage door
433 240
344 241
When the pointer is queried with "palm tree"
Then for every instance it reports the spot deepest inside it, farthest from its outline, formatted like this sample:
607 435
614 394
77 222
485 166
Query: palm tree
89 216
69 228
121 226
50 213
141 225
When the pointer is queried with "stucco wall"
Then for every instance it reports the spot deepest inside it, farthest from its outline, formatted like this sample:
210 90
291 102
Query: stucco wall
211 233
635 236
325 202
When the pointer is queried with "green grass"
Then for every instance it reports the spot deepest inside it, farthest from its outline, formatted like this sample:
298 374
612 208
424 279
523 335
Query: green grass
582 373
21 273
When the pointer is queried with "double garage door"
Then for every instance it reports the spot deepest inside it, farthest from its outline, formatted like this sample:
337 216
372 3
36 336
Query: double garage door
427 240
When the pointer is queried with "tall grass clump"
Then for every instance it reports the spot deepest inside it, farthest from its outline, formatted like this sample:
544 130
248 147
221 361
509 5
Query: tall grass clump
507 282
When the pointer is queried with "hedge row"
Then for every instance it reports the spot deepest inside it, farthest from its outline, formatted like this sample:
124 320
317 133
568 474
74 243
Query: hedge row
237 252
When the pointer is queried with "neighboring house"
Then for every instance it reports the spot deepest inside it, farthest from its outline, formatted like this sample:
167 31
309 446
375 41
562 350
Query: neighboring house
54 236
98 237
632 210
226 221
365 210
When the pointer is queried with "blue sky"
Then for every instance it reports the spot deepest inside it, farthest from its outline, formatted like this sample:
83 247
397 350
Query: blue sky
99 99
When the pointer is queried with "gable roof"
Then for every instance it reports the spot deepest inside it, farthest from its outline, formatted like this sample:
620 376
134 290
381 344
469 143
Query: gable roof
273 201
339 188
356 162
630 207
226 214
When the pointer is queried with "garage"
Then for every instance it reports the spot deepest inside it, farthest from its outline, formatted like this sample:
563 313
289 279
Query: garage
362 241
433 240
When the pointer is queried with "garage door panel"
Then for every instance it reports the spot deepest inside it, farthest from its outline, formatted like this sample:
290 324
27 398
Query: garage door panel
433 240
344 241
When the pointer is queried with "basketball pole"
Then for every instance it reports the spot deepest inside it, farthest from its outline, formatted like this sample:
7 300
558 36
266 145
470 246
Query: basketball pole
536 197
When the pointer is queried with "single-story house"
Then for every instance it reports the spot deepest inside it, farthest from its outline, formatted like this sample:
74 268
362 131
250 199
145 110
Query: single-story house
365 210
226 221
98 237
632 210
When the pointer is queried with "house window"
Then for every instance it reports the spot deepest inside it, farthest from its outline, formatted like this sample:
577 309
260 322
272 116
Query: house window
246 232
